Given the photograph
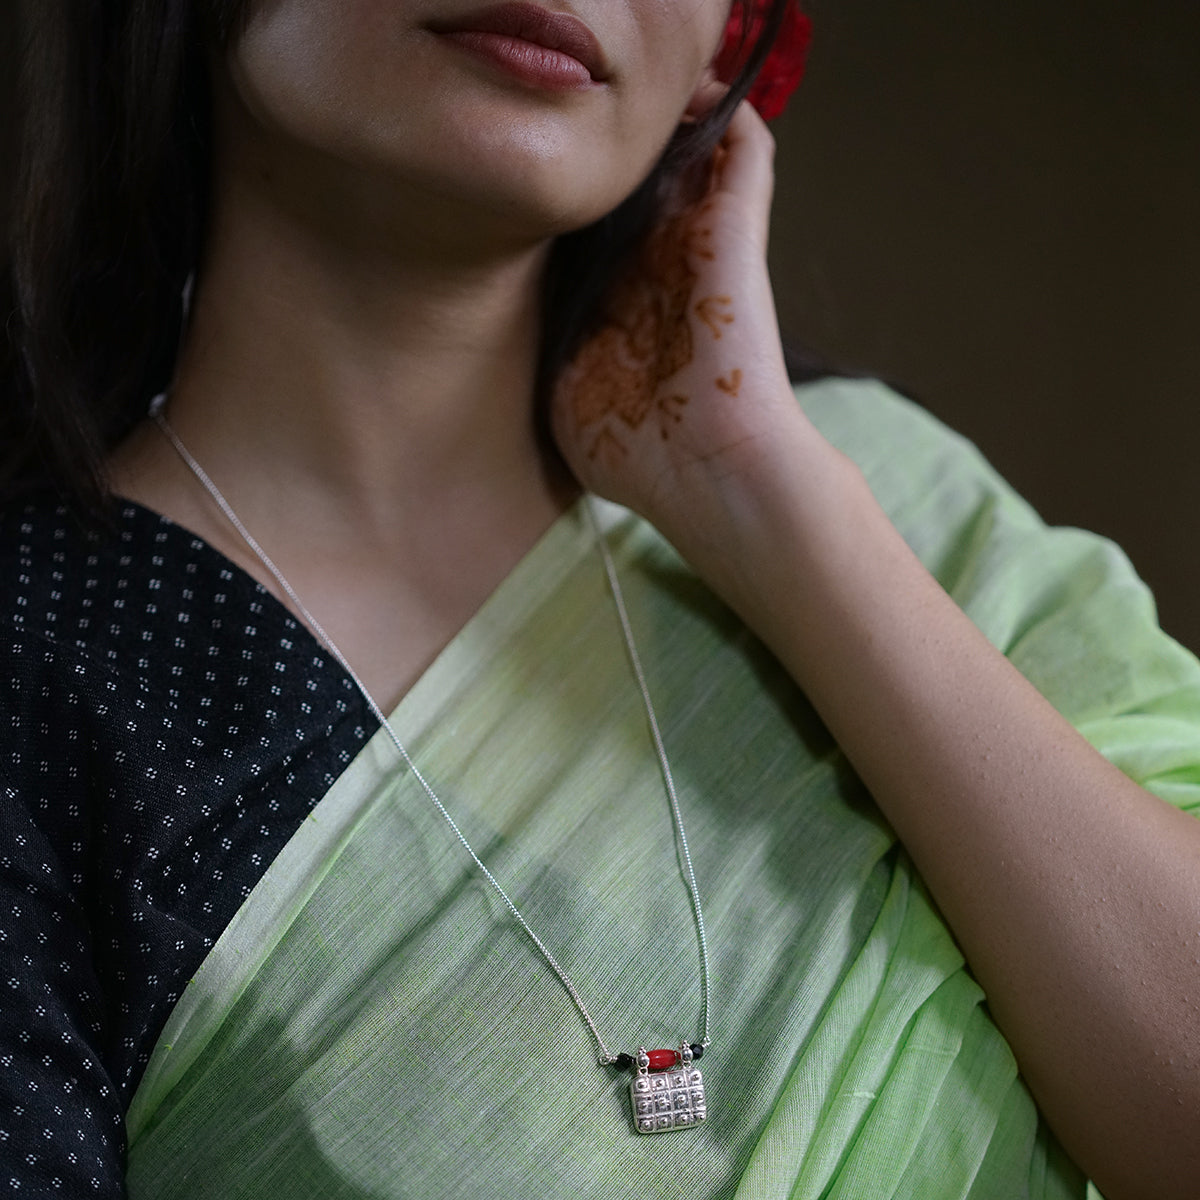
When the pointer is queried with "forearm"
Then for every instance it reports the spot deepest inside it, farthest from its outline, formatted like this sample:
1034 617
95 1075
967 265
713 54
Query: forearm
1074 894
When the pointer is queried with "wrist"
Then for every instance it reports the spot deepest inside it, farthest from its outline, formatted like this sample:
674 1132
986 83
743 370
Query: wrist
751 518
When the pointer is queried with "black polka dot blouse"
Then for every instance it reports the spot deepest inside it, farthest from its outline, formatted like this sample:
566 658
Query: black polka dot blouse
165 725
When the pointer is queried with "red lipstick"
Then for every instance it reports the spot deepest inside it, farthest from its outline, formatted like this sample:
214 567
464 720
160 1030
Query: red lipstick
544 49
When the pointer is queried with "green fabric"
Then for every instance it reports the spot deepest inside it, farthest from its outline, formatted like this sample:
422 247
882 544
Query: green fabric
373 1025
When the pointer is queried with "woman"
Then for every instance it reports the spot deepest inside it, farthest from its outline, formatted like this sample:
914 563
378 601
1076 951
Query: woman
389 286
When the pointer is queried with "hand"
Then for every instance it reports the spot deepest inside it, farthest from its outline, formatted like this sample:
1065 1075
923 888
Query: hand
683 387
679 407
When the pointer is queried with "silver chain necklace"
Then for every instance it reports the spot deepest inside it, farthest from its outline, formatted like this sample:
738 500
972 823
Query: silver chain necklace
667 1091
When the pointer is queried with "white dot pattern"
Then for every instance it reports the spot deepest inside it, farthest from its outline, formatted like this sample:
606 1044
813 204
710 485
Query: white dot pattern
165 727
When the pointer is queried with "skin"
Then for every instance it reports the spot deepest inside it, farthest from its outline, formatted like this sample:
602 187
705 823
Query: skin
358 374
358 379
1022 831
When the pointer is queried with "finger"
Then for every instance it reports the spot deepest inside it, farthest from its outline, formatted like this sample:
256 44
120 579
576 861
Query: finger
746 171
708 94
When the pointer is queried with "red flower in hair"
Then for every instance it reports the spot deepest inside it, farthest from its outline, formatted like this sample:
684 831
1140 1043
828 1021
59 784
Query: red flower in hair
784 68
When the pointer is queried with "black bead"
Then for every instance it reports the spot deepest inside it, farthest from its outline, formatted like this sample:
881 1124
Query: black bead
625 1062
697 1050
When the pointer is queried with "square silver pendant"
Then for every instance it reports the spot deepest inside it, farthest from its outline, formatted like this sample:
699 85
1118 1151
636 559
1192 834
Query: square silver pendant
664 1100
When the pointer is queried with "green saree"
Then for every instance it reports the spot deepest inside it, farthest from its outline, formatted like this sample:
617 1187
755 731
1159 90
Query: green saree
373 1025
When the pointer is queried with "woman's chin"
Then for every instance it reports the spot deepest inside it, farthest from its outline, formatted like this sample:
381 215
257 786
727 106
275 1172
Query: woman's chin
534 179
492 205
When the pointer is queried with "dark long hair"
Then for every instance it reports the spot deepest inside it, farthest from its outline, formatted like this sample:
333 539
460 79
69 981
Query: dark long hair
110 214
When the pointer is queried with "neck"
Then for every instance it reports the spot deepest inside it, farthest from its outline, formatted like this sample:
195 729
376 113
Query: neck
368 412
378 382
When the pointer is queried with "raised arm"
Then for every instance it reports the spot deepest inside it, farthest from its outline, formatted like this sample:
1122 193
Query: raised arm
1074 893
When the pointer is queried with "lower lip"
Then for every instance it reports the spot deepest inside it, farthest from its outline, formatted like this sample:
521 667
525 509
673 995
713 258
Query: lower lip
527 62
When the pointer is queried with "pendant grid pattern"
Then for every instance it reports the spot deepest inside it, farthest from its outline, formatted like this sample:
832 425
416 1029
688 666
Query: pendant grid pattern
664 1100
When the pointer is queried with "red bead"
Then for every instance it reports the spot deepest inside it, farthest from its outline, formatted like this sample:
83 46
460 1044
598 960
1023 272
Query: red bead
662 1060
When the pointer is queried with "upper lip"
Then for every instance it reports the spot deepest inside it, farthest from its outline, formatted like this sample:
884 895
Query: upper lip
532 23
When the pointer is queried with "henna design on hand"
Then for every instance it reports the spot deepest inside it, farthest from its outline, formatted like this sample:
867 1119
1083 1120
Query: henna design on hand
669 414
698 239
708 310
646 338
731 384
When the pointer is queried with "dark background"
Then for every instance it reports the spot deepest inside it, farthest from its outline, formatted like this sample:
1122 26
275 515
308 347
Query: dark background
997 205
